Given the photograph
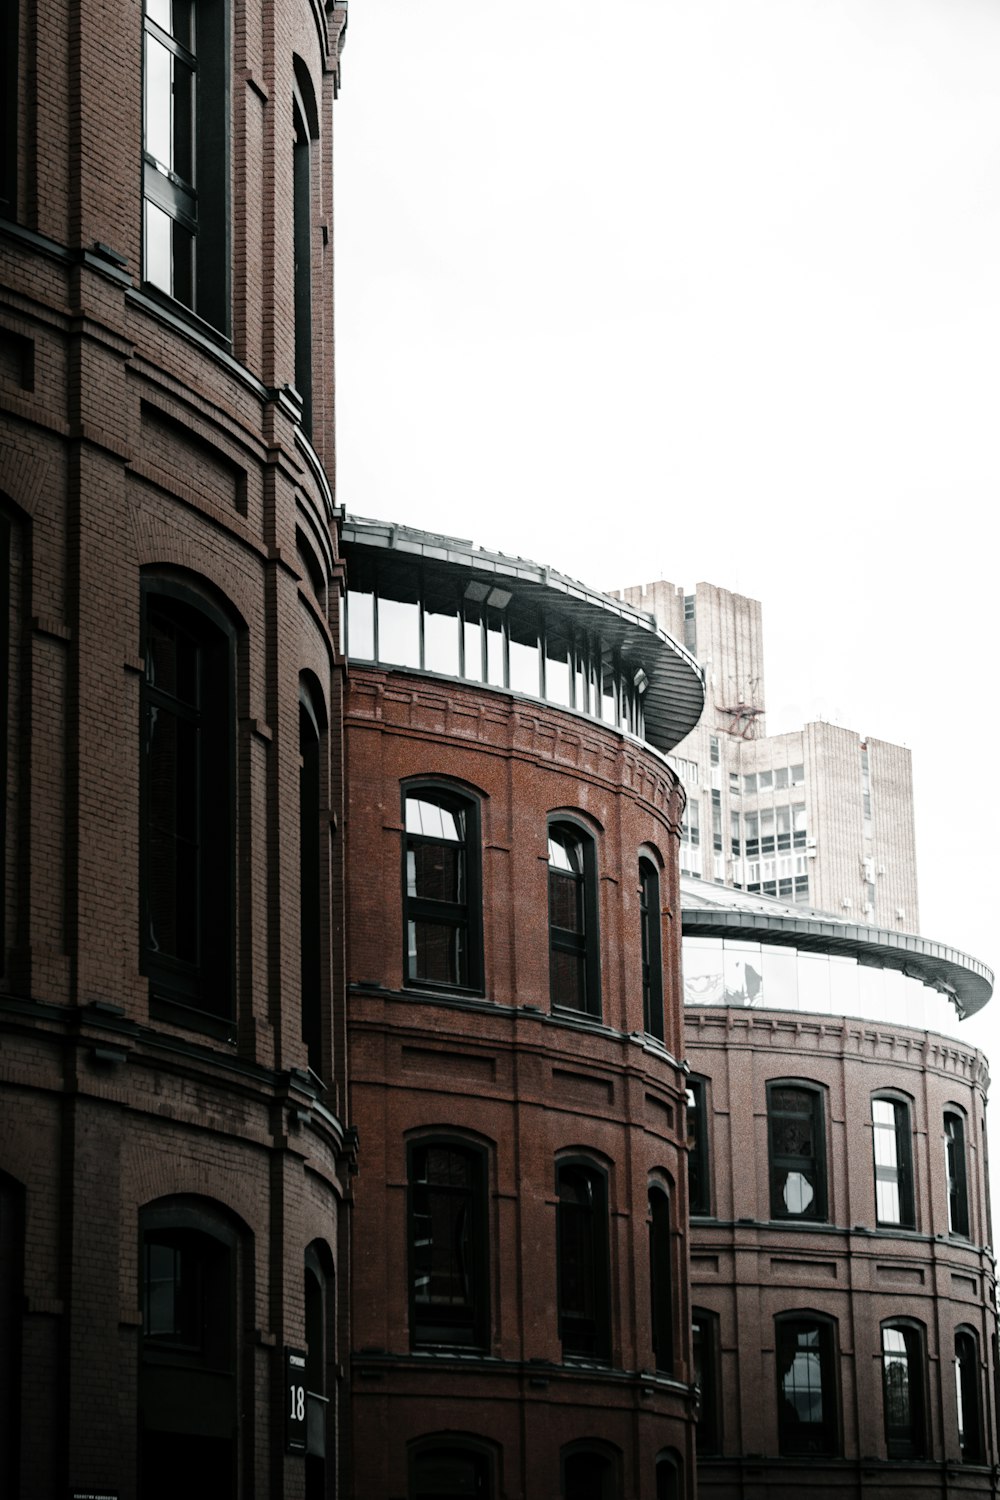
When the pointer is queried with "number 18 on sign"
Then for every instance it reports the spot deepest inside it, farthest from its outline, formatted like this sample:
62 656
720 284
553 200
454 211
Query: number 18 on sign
295 1400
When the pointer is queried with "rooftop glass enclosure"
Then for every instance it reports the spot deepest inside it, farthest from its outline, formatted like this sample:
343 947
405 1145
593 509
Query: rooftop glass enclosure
731 971
433 604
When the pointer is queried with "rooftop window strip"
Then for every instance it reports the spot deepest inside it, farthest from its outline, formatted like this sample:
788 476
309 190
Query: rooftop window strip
423 621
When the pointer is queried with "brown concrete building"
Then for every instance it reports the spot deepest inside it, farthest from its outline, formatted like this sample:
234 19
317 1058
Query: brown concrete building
519 1292
820 816
173 1150
842 1281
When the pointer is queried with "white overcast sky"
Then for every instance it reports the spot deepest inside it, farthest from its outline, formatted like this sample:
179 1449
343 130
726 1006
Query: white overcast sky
705 290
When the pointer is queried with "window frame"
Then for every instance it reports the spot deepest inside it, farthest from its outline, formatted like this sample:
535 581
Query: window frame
900 1175
467 915
699 1156
585 1337
606 1454
177 985
12 1307
705 1334
906 1440
662 1281
651 949
585 944
792 1441
475 1328
313 931
969 1396
438 1445
956 1157
818 1211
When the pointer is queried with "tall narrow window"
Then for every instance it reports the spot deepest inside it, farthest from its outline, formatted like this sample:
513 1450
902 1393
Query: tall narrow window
705 1354
661 1281
11 1306
967 1397
305 129
589 1473
807 1398
8 109
450 1473
449 1289
893 1162
582 1255
8 603
186 154
652 965
699 1180
958 1193
187 790
797 1152
310 879
319 1424
443 917
574 980
903 1390
188 1405
668 1476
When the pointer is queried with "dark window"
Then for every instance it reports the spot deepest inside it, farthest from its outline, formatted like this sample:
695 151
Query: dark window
186 154
187 815
449 1287
450 1473
797 1152
661 1281
807 1391
652 964
310 878
893 1155
187 1379
302 254
582 1251
319 1408
588 1474
8 591
958 1194
668 1477
699 1184
574 981
903 1390
967 1397
442 873
11 1308
705 1353
8 108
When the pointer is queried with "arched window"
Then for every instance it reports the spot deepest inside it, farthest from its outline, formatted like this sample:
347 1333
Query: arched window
661 1281
188 1402
582 1259
968 1398
808 1415
705 1354
305 127
320 1426
652 965
699 1161
442 882
187 842
955 1168
450 1471
186 154
449 1277
797 1150
11 582
311 848
893 1153
574 964
11 1306
590 1471
903 1389
669 1471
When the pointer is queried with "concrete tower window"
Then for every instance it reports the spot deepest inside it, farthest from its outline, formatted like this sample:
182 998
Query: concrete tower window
582 1257
893 1153
797 1151
652 963
574 976
903 1390
441 881
186 154
449 1284
808 1422
187 814
955 1167
967 1397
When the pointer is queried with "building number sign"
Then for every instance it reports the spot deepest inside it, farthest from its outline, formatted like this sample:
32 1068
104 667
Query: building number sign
295 1400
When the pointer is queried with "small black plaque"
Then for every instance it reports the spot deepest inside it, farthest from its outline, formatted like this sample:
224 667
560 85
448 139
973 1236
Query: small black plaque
295 1400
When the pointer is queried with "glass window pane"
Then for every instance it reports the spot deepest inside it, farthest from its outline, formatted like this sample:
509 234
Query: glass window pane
524 658
399 632
557 664
441 631
158 247
495 673
158 102
473 665
361 614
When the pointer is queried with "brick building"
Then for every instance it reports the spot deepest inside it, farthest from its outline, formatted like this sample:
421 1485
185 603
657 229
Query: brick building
174 1156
